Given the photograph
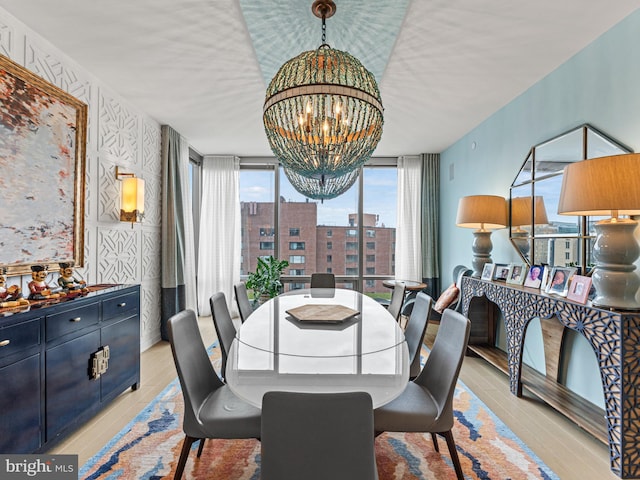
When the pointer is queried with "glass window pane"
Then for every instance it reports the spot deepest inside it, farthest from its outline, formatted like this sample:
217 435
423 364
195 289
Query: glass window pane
321 236
322 228
379 210
257 189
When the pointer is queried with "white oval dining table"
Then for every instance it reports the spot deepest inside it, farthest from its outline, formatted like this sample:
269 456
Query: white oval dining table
275 351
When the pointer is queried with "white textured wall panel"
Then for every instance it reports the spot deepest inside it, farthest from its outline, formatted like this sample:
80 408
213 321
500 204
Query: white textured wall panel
117 135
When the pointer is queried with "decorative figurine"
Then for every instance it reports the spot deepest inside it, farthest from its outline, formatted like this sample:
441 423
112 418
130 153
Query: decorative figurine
38 288
10 296
66 279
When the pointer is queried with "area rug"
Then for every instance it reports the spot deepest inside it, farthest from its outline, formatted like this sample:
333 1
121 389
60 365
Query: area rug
149 447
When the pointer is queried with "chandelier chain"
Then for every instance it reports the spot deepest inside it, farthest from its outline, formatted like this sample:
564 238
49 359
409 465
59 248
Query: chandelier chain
324 29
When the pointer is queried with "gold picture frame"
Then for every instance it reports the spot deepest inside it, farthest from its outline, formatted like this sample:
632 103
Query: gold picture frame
43 132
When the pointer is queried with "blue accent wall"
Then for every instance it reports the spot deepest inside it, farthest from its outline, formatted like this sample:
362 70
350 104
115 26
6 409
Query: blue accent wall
600 85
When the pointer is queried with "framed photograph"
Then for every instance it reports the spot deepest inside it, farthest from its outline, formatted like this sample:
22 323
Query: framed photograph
545 278
559 280
501 272
42 159
516 274
534 276
579 289
487 271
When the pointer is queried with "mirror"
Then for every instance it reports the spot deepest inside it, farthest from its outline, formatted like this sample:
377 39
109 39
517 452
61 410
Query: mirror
536 231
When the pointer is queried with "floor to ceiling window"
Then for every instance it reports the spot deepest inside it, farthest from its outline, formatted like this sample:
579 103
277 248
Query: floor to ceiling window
258 227
379 222
351 236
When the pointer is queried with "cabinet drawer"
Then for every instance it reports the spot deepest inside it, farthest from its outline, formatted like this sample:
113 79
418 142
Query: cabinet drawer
71 320
118 306
18 337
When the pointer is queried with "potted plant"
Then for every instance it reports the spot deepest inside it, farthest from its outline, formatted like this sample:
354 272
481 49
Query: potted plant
265 281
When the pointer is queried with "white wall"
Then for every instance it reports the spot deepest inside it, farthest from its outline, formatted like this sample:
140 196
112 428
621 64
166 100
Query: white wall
599 86
117 134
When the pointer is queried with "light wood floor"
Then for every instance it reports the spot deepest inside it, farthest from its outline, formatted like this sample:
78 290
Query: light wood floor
566 449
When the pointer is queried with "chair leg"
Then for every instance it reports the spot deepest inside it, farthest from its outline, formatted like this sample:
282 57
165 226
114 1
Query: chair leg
454 454
202 440
435 442
184 453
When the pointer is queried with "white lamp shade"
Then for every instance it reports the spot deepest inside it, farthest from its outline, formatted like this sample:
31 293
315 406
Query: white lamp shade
482 211
521 211
600 186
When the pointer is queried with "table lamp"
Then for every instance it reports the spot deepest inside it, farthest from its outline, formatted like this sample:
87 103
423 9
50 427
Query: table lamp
484 213
608 186
522 214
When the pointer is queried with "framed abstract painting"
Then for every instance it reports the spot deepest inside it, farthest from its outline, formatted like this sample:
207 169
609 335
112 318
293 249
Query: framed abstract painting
42 171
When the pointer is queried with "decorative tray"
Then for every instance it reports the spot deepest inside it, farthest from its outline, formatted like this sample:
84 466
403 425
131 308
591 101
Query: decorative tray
322 313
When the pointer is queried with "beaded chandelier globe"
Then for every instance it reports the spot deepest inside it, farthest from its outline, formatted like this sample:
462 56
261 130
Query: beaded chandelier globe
323 113
318 189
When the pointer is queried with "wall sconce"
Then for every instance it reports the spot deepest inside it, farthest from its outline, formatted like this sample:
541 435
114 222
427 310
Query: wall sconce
131 197
608 186
483 212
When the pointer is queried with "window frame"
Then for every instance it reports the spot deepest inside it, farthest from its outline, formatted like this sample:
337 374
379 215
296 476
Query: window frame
358 280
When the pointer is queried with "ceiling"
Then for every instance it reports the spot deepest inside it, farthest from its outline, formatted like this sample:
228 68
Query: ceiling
202 66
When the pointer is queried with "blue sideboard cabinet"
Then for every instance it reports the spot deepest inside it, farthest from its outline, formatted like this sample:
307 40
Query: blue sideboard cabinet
62 363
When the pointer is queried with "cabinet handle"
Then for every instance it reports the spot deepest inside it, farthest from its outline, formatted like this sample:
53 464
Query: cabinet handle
4 343
77 319
123 304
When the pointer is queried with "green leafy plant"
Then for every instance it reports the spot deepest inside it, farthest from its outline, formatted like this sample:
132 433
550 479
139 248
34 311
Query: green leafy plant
265 281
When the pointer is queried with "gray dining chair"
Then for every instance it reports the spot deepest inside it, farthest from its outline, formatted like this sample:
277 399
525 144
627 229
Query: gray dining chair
415 330
426 404
242 299
317 436
211 410
323 280
225 329
397 300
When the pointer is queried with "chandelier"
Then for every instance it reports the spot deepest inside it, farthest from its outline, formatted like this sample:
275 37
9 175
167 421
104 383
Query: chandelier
322 111
319 189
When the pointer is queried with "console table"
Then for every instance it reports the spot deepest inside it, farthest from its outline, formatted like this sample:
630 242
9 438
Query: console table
62 362
614 337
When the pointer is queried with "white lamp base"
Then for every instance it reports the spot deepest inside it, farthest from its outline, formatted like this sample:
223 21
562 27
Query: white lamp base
615 252
481 247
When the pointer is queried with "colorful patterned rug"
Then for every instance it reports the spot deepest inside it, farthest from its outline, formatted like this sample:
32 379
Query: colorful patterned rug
149 447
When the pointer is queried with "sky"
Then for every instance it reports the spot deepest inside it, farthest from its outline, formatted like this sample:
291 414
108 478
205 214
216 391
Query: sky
379 196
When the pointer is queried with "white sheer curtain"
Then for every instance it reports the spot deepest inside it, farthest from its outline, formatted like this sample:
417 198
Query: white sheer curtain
219 254
409 227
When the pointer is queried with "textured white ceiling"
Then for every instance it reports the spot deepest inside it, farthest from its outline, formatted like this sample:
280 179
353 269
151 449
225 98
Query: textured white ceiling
192 64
